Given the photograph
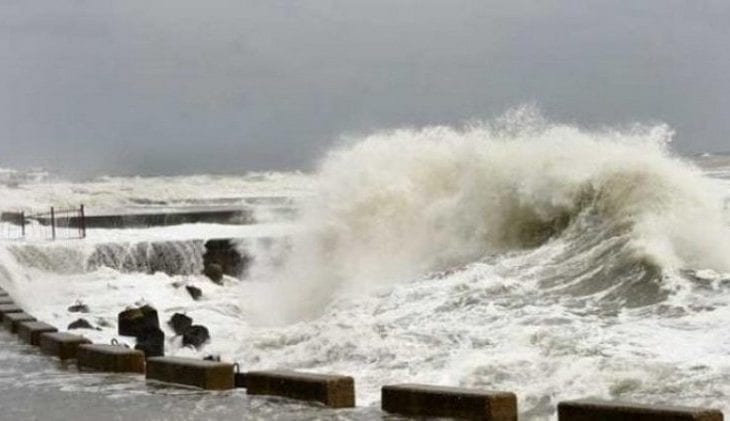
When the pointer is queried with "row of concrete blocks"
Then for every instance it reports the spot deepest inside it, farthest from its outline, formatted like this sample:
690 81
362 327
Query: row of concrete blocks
330 390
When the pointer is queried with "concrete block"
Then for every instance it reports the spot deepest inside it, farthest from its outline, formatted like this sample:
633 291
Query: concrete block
211 375
30 331
61 344
453 402
9 308
599 410
332 390
11 320
240 380
113 358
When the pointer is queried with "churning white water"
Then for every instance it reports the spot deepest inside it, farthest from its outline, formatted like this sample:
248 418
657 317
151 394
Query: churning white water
517 254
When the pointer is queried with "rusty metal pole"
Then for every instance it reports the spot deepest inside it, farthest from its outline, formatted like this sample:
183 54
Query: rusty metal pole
53 224
82 223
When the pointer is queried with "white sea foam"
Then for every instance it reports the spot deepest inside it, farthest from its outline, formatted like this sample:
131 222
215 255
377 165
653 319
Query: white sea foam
518 254
398 204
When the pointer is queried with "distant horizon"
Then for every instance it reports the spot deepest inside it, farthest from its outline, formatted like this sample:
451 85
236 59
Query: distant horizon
157 87
242 172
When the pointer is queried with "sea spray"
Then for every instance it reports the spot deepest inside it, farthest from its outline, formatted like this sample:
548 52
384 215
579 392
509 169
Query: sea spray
399 204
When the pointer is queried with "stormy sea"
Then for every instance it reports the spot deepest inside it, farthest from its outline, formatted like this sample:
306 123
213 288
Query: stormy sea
516 254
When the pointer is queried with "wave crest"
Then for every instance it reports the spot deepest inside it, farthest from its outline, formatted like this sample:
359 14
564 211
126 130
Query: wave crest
397 204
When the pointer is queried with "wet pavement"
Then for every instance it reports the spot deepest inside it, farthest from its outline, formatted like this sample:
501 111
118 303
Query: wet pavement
34 386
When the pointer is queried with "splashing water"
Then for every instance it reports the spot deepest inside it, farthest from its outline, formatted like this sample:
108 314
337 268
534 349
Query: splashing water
400 204
515 254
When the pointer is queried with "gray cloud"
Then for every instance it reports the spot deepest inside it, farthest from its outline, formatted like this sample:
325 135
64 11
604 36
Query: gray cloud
218 86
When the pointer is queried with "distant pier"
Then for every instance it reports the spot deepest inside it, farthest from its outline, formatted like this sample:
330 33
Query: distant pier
147 217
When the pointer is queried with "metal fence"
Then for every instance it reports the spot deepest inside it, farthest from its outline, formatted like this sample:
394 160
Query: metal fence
63 223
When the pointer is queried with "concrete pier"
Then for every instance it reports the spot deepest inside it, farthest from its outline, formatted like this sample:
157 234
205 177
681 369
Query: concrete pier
30 331
331 390
438 401
11 320
599 410
9 308
61 344
112 358
210 375
159 216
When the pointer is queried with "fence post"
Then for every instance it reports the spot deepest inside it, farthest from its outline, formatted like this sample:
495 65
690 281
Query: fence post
82 223
53 224
22 224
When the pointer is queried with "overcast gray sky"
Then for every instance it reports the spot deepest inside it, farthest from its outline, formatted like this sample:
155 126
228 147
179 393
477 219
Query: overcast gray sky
184 86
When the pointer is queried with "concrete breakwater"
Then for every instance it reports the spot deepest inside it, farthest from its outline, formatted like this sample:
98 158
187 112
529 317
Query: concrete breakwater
138 218
333 391
251 211
228 256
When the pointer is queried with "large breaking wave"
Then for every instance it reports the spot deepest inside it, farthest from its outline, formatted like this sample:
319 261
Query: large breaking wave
616 205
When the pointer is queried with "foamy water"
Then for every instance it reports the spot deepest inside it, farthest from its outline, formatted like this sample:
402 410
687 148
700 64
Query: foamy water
521 255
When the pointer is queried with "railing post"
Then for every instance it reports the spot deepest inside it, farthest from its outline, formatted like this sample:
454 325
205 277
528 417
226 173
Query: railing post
53 224
82 223
22 224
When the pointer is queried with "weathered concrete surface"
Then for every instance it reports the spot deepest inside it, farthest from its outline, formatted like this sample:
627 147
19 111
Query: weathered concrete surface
11 320
30 331
599 410
332 390
9 308
210 375
152 342
134 321
61 344
112 358
438 401
239 380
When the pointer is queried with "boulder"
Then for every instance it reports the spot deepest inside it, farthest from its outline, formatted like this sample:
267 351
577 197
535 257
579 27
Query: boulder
222 257
152 342
80 324
133 322
196 336
79 307
194 292
214 271
180 323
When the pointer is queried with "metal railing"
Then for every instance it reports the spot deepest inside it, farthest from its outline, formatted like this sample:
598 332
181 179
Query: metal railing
64 223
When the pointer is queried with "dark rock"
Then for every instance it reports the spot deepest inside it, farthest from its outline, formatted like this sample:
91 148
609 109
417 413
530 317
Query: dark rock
80 324
211 357
134 321
196 336
103 322
214 271
152 342
79 307
180 323
221 257
194 292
